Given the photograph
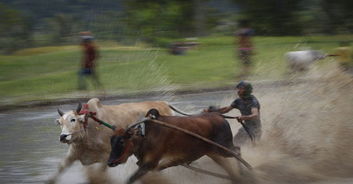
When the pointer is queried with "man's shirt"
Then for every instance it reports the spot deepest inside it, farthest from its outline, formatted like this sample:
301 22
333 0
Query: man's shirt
245 105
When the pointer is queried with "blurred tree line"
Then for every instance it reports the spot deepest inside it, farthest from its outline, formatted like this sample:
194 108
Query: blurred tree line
26 23
297 17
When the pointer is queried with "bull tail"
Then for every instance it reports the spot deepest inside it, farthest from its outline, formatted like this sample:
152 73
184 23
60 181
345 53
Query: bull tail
186 114
178 111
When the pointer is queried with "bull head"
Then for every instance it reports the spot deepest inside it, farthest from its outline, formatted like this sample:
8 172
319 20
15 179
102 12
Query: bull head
121 147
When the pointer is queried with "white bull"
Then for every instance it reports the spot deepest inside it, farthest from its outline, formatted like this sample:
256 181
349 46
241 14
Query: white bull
91 144
300 60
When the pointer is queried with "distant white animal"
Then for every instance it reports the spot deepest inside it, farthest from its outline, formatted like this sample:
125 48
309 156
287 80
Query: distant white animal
300 60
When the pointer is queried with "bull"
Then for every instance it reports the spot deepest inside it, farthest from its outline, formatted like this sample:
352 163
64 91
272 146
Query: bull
161 147
89 142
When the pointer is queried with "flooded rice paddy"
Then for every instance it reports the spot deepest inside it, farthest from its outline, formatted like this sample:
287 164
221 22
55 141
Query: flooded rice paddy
307 136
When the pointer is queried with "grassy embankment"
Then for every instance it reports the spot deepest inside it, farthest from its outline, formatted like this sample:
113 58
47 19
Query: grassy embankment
51 72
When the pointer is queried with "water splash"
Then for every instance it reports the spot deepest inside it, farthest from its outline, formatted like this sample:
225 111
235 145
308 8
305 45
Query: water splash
307 136
307 130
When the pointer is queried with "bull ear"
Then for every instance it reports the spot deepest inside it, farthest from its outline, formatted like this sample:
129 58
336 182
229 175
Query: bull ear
61 113
81 118
79 107
152 113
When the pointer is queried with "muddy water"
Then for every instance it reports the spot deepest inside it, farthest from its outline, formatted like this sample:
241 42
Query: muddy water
308 131
307 137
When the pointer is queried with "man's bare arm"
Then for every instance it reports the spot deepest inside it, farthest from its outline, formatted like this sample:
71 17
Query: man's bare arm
254 114
225 109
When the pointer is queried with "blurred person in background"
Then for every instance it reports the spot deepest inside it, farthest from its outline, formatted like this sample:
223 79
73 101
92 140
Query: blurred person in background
88 62
245 46
178 48
249 108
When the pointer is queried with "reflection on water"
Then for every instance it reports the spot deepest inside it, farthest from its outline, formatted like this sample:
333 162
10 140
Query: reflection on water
25 142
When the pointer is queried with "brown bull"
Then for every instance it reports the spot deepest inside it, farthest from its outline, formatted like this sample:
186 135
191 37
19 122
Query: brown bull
88 141
163 147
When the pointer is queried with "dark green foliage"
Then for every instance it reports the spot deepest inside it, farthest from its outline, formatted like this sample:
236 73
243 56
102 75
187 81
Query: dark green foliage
297 17
155 19
15 30
339 16
26 23
272 17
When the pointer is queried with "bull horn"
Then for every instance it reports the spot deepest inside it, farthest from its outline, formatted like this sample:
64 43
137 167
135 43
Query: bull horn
61 113
79 107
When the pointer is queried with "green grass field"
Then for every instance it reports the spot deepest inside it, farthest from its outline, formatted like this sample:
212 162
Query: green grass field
51 72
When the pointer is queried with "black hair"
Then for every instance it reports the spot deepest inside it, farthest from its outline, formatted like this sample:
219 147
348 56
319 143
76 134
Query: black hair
246 85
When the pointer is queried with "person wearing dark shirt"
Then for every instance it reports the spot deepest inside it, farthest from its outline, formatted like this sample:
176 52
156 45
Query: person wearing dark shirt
249 108
88 63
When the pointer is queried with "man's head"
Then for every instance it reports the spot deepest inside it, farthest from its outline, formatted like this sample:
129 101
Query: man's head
86 37
244 89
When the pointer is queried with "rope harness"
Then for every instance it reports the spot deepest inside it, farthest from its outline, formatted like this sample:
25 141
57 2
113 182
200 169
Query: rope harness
89 114
246 128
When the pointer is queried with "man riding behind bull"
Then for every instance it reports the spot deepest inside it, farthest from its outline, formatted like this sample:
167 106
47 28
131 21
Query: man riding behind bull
249 108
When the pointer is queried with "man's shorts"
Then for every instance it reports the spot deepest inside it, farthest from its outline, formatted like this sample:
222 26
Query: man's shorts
86 71
244 56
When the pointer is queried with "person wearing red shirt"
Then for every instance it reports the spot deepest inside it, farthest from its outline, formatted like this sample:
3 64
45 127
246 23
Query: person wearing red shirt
245 46
88 63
